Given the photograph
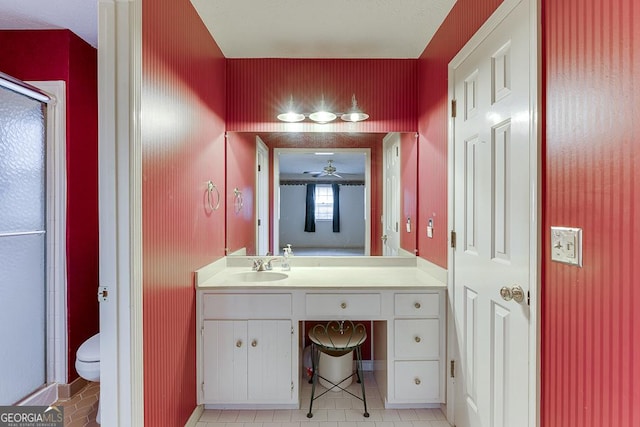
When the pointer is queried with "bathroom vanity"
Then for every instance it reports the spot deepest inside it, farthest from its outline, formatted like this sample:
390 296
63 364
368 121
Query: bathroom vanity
249 328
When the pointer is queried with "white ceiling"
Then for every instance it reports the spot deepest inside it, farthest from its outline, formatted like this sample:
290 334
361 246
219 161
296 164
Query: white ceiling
323 29
271 29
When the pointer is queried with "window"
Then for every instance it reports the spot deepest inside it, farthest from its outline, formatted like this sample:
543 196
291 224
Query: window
324 202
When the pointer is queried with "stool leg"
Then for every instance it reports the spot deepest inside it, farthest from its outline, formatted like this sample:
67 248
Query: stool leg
359 372
315 360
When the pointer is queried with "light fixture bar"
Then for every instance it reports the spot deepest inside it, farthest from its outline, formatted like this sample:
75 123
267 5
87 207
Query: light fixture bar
323 115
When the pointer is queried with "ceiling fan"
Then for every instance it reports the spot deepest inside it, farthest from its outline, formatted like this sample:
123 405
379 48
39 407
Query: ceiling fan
328 170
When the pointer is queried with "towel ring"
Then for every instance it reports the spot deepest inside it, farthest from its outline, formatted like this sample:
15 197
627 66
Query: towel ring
210 187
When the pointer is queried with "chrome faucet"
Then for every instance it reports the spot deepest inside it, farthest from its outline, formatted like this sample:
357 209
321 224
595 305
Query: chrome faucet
263 264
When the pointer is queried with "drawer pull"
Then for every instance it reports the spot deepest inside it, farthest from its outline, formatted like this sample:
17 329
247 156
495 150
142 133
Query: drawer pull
343 305
418 339
254 343
239 343
417 381
417 305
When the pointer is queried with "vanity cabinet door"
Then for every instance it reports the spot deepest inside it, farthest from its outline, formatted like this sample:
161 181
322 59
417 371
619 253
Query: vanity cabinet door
269 361
247 361
225 360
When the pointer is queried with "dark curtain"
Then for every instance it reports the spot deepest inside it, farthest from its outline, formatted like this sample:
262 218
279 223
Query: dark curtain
336 207
310 216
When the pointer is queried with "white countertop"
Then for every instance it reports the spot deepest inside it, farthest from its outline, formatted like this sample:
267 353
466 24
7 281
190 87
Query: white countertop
364 276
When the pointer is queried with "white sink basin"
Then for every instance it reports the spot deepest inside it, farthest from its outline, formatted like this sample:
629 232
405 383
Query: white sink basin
258 276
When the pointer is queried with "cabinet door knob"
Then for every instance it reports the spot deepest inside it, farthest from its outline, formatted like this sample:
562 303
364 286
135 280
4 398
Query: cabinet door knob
417 381
417 305
418 339
254 343
343 305
239 343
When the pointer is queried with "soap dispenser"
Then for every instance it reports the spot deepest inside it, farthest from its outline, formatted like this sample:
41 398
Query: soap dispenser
285 258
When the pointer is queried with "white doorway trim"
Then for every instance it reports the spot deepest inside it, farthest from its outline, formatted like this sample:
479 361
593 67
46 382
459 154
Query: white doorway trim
276 191
120 209
535 226
56 230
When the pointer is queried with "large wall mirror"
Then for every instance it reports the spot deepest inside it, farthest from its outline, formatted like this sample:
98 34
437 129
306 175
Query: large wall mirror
325 194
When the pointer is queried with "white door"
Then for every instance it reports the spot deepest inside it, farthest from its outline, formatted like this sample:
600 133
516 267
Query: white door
269 361
262 198
391 195
492 206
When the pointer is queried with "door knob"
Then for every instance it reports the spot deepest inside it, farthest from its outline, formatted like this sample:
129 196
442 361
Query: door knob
512 293
384 238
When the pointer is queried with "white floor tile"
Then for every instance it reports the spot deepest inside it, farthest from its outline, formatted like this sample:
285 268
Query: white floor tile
338 409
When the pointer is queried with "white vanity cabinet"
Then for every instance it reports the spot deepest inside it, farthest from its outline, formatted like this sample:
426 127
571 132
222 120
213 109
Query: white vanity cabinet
246 350
250 344
418 348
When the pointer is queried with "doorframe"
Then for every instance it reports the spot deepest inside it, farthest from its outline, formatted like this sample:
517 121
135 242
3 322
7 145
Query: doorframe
56 141
262 198
535 261
120 207
276 190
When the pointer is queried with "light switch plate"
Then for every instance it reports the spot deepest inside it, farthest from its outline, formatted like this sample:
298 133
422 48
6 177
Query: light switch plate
566 245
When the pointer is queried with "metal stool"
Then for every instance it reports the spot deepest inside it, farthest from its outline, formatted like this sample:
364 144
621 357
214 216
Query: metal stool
337 338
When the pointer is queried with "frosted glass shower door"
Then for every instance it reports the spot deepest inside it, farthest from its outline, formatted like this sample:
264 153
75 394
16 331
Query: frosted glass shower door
22 246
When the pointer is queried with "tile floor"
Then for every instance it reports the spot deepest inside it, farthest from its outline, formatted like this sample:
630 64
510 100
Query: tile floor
334 409
81 409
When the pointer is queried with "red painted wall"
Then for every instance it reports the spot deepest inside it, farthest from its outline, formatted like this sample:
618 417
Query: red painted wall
241 166
462 22
261 88
61 55
183 111
591 324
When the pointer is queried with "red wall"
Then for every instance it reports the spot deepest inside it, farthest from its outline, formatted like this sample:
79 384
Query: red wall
261 88
591 325
61 55
183 111
462 22
241 167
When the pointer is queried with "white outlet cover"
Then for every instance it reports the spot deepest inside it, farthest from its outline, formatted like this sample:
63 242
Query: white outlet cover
566 245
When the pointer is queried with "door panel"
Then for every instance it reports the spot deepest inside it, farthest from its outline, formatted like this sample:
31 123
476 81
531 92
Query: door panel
491 214
22 246
391 195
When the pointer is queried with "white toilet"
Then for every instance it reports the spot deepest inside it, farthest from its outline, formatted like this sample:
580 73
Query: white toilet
88 362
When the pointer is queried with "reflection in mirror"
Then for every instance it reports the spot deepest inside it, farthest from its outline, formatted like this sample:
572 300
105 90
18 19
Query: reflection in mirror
273 214
322 200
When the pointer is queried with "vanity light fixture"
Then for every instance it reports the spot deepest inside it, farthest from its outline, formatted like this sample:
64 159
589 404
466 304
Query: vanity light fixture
355 114
291 116
323 115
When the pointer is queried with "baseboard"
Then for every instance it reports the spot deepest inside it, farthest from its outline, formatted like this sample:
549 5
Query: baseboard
195 416
66 391
42 397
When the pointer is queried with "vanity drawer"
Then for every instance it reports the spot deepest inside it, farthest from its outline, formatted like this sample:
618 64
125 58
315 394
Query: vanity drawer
243 306
417 381
342 305
417 339
419 305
